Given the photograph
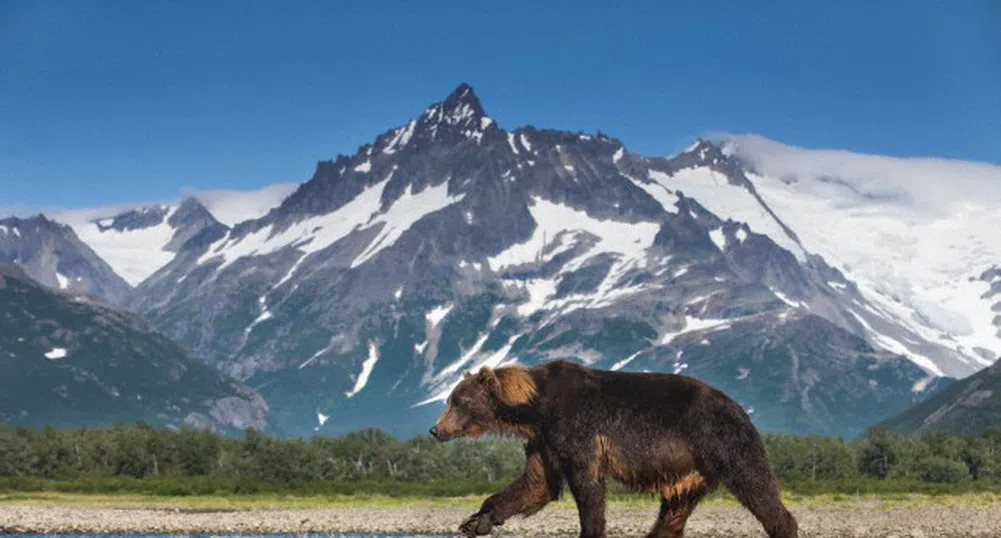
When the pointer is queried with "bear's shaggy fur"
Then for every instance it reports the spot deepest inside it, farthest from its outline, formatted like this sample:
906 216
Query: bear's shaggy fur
671 435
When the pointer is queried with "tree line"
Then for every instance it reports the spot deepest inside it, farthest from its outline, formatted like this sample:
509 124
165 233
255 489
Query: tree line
188 461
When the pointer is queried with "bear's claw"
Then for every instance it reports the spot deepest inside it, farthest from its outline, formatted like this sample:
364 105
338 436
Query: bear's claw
476 525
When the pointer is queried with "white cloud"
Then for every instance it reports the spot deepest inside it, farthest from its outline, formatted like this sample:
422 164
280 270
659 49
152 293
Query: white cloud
228 206
920 184
231 207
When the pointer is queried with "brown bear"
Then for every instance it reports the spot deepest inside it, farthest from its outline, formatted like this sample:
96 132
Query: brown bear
671 435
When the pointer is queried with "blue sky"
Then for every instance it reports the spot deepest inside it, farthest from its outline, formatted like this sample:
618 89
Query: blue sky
115 101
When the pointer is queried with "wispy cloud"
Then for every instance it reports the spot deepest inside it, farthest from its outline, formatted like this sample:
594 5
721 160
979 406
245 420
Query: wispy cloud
233 206
228 206
923 184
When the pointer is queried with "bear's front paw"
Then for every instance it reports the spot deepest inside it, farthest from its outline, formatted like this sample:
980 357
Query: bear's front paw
476 525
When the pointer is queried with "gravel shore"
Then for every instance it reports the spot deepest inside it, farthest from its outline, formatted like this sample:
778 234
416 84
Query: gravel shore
839 520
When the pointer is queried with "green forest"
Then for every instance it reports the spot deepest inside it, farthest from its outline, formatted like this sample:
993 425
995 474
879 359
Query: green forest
142 459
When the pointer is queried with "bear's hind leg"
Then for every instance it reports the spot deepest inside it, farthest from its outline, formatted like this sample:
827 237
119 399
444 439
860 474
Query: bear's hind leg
758 491
674 514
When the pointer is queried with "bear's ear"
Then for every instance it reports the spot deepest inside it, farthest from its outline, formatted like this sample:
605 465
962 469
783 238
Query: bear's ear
488 378
466 375
511 385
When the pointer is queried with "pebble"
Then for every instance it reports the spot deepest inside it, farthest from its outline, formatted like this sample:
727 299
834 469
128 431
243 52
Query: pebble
837 520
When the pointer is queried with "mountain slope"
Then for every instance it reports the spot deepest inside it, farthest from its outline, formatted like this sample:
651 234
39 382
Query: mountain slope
450 243
968 407
52 254
66 361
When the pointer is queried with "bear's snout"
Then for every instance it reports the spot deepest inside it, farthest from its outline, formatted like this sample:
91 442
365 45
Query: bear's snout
442 433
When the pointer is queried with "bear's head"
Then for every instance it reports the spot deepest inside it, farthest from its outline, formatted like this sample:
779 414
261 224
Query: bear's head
481 402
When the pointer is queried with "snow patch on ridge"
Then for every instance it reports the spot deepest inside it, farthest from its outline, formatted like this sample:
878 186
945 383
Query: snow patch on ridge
560 228
263 316
719 238
317 233
366 370
726 201
495 359
693 324
525 143
401 139
510 142
437 314
625 362
465 358
404 213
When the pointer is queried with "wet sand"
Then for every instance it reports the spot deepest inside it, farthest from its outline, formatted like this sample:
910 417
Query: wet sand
835 520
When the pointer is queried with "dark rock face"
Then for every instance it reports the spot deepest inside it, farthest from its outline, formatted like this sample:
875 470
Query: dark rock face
136 219
68 361
192 223
992 276
450 243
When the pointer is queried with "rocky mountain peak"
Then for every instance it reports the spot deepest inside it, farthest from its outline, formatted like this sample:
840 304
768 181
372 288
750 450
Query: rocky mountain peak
37 222
191 210
458 118
136 219
461 107
703 152
457 123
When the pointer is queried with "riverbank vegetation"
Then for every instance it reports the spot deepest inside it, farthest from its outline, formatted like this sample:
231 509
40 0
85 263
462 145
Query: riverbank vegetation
160 462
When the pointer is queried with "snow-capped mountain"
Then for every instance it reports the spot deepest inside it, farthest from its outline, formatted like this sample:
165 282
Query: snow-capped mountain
825 290
917 236
450 243
50 253
138 241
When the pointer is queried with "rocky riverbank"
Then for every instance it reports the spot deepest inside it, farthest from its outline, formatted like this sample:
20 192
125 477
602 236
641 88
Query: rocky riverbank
869 519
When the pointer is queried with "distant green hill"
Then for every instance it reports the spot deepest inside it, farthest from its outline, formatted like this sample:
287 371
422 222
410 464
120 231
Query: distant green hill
968 406
71 361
